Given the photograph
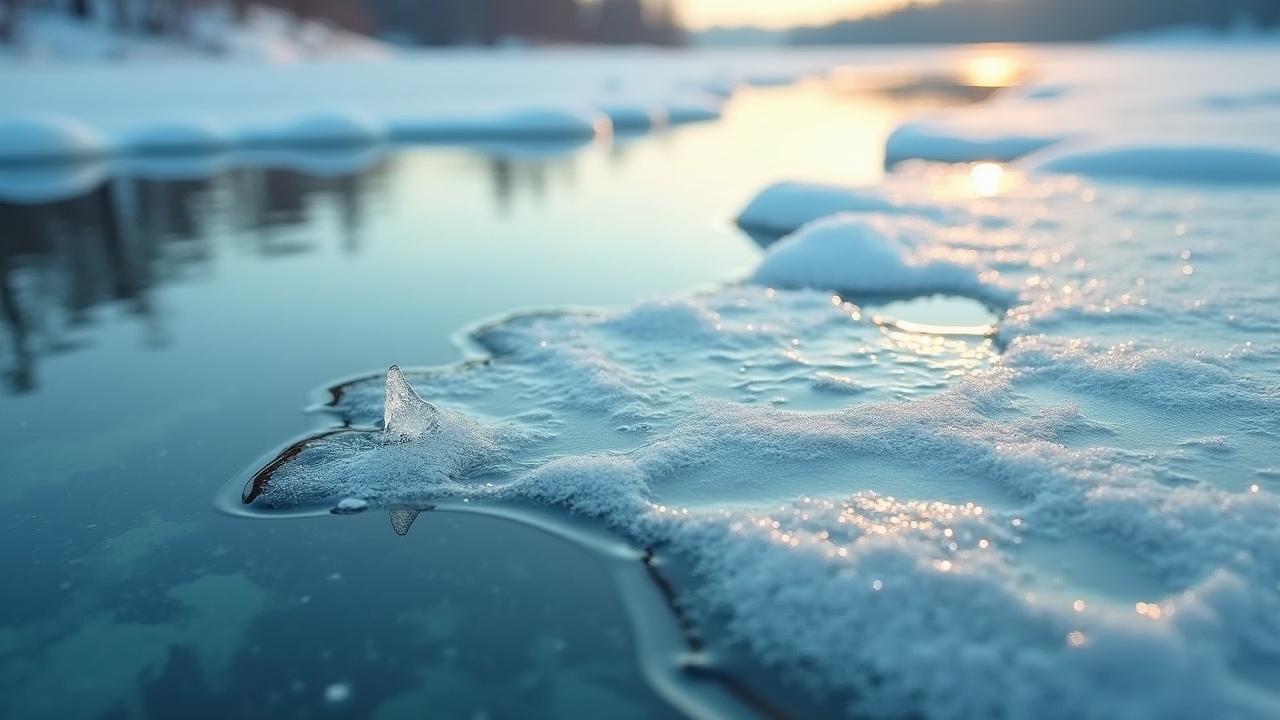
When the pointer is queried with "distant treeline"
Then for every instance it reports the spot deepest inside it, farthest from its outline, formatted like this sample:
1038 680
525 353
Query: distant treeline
425 22
964 21
452 22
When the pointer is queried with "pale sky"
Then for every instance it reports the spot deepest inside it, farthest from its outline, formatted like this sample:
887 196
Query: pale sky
698 14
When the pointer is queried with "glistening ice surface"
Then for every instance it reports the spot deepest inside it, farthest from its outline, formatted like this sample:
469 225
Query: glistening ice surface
1075 518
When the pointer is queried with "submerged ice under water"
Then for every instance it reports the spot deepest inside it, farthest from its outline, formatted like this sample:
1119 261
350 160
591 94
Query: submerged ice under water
1073 518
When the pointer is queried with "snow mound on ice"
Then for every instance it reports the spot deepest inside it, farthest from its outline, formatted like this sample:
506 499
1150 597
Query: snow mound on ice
177 138
333 128
538 124
1174 163
683 112
862 255
923 140
785 206
47 138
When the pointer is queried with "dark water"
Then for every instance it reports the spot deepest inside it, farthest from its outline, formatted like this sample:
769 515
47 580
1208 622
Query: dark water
156 336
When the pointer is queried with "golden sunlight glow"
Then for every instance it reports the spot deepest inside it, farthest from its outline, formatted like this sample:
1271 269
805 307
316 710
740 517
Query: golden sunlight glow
987 178
992 71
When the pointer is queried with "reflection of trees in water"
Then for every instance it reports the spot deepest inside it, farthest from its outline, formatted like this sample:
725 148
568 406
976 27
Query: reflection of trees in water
512 178
61 261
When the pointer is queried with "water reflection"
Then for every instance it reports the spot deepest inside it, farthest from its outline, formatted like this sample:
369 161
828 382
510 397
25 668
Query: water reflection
60 262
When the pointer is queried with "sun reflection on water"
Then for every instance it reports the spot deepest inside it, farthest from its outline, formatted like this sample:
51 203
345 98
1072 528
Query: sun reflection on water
987 178
993 70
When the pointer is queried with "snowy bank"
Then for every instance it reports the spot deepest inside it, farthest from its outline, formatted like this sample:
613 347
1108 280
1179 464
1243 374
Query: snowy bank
433 96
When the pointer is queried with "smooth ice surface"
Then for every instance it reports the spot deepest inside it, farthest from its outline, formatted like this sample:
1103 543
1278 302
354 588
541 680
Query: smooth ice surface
865 255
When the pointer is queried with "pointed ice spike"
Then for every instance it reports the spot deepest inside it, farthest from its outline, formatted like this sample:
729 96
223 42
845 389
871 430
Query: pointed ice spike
402 519
405 416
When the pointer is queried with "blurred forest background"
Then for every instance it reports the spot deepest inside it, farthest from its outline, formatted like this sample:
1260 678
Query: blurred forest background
407 22
657 22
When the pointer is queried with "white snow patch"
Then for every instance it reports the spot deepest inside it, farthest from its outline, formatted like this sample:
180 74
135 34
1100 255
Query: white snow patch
785 206
922 140
862 255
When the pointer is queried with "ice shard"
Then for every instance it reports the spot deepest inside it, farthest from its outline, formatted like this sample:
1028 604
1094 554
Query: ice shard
405 416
